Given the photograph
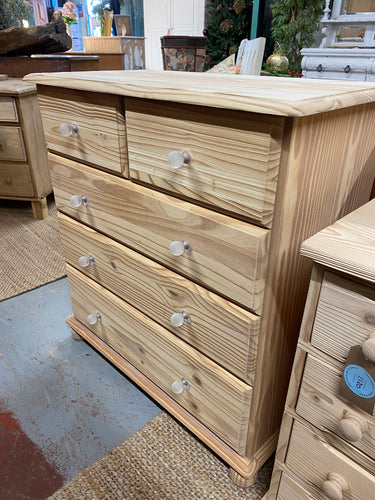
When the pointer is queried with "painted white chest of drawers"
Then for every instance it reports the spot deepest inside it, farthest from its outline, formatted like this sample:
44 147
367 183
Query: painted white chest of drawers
327 438
188 196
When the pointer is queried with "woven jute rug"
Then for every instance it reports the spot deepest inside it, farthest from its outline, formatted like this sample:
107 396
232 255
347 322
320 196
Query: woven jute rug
30 251
161 461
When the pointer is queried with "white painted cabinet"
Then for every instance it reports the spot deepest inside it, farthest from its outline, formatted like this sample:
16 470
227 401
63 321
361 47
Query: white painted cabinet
174 17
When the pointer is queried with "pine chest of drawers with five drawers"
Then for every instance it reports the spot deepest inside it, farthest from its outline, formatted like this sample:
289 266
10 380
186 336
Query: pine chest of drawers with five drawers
183 200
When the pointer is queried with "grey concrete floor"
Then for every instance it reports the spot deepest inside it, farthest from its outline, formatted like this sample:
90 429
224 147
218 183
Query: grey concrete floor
69 401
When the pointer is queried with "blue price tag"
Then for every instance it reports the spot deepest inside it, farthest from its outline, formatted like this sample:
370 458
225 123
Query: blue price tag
359 381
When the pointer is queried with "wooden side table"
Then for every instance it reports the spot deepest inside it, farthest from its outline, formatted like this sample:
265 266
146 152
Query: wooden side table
326 447
19 66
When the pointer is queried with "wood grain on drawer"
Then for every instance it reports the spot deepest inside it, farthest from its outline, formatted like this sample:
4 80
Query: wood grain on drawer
217 398
8 109
290 490
228 256
313 459
101 139
319 403
345 316
234 156
221 330
12 146
15 180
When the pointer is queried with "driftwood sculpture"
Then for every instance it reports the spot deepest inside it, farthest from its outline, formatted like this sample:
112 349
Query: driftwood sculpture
46 39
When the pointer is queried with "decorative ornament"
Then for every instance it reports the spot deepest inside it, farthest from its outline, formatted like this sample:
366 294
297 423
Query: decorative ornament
226 25
277 62
233 49
239 6
230 9
218 8
205 32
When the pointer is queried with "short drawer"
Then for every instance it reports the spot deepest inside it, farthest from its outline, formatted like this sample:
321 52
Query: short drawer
290 490
8 109
320 465
95 122
234 157
12 147
226 255
345 316
223 331
319 402
15 180
215 397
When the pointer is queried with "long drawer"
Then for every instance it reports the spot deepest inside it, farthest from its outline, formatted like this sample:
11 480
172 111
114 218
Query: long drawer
226 255
345 316
221 330
215 397
322 465
319 402
95 124
234 157
12 147
15 180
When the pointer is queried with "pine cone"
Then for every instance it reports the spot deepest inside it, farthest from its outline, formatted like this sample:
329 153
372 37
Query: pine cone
239 6
226 25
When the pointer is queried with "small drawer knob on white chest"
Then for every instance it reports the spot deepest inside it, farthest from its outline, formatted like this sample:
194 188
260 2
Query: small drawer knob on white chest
177 248
335 486
177 159
178 319
179 385
368 348
86 260
67 129
352 427
76 200
94 318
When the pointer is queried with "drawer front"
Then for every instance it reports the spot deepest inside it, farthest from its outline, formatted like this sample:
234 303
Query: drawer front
234 158
12 147
227 255
319 403
314 460
290 490
223 331
218 399
345 316
15 180
8 109
100 138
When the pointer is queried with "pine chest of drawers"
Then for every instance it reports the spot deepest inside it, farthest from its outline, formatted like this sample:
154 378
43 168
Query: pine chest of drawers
327 438
183 202
23 156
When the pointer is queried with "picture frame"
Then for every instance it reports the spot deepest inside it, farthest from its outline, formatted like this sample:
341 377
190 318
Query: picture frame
123 25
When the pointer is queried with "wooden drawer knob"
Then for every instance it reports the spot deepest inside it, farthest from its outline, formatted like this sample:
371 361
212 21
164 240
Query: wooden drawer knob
77 200
93 318
86 260
177 248
352 427
179 385
335 486
177 159
67 129
368 348
178 319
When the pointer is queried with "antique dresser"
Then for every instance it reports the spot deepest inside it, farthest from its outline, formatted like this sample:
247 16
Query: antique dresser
327 438
184 199
23 155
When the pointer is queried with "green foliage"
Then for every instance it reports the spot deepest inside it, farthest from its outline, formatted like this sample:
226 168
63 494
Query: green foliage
12 12
293 25
228 22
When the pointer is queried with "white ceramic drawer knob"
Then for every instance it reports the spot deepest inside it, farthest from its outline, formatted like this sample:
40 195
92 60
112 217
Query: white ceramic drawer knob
178 319
76 200
352 427
368 348
179 385
67 129
177 248
93 318
177 159
86 260
335 486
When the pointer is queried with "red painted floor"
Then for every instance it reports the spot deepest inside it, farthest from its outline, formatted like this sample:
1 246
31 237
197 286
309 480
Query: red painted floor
24 472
